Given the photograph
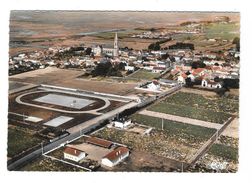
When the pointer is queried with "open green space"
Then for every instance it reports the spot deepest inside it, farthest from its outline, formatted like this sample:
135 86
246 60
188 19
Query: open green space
220 30
226 152
218 104
174 129
143 74
46 164
20 139
196 106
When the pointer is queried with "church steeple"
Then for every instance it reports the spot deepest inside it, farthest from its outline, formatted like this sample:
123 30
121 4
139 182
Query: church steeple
116 48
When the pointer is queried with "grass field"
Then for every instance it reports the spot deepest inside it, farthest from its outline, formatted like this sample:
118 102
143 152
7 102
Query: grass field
159 142
226 152
46 164
20 139
143 74
196 106
218 104
225 31
191 133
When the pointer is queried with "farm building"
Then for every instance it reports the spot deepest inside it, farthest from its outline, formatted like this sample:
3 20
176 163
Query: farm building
99 142
115 157
74 154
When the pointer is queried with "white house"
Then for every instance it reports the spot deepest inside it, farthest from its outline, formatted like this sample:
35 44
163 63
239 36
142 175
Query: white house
74 154
210 84
181 78
129 68
115 157
122 124
154 86
158 69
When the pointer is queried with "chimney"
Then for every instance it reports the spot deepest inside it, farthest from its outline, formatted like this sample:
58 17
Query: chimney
75 152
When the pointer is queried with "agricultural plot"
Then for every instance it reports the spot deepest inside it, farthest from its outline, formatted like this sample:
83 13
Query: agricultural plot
225 31
144 75
219 158
20 139
191 133
47 164
216 110
178 146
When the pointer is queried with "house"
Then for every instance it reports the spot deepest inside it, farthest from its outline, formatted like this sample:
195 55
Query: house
122 123
158 69
129 68
210 84
74 154
115 157
154 86
181 78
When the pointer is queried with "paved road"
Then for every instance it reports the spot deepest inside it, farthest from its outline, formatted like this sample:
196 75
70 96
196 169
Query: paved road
181 119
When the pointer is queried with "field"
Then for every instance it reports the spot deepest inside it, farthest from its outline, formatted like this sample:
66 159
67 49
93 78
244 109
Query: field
53 76
21 139
225 152
46 164
190 133
211 109
225 31
176 146
144 75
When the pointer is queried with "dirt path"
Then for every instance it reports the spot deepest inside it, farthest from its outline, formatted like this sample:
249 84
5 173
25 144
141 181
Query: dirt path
232 129
181 119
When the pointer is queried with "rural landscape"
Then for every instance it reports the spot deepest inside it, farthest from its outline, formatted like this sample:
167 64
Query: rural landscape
101 91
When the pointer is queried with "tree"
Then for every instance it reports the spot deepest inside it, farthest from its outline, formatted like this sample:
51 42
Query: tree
88 51
189 82
236 41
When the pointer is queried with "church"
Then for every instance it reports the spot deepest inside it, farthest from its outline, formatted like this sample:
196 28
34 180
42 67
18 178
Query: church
107 50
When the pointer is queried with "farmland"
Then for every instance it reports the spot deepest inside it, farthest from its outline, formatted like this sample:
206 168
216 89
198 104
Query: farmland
226 152
191 133
46 164
178 145
195 106
224 31
19 140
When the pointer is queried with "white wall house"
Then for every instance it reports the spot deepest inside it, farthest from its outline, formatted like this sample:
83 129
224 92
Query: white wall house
115 157
74 154
122 124
210 84
181 80
154 86
129 68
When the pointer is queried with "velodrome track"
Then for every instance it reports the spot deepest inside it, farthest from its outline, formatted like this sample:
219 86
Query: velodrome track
94 111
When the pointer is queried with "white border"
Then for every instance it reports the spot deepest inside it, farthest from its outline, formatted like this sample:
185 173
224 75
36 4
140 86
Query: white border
148 5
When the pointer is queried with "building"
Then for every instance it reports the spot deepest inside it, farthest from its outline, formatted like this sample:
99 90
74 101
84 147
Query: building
116 47
210 84
74 154
99 142
154 86
115 157
122 123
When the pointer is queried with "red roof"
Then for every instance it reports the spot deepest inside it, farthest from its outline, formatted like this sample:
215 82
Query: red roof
184 75
159 68
99 142
72 151
198 70
118 152
155 82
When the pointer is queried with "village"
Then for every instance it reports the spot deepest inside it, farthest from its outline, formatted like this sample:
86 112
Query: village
164 108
